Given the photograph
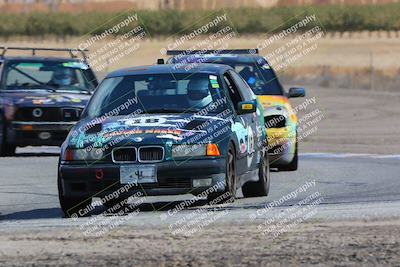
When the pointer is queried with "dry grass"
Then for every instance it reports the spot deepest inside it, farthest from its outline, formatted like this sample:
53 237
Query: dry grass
337 61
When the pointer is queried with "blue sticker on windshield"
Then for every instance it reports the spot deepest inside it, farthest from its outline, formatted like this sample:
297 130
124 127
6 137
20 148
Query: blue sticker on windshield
251 80
76 65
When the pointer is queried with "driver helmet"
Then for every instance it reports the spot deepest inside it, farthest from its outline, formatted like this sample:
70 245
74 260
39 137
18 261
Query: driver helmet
198 92
62 76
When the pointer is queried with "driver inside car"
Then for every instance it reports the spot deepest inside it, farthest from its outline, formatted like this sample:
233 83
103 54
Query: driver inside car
63 77
198 92
250 76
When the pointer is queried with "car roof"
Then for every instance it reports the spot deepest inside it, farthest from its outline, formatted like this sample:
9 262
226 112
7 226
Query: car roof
233 58
170 68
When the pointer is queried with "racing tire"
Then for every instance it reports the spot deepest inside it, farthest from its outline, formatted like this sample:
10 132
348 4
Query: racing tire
261 187
230 180
70 205
6 150
293 165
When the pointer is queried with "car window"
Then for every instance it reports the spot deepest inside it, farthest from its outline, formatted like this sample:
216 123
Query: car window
243 87
234 93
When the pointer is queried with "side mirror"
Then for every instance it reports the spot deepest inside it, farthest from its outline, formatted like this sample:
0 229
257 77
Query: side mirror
160 61
297 92
246 107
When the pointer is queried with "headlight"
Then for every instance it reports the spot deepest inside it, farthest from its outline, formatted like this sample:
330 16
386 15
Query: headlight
180 151
196 150
82 154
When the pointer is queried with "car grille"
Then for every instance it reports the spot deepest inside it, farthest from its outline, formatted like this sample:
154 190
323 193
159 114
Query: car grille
41 114
48 114
151 154
142 154
124 154
71 114
275 121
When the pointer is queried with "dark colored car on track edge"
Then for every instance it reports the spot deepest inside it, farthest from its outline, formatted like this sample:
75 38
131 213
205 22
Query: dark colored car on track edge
41 98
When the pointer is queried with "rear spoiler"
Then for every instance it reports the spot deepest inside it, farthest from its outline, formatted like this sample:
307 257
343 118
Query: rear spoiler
202 52
71 51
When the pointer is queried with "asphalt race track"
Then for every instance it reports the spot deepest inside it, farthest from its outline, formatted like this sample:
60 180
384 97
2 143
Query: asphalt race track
351 185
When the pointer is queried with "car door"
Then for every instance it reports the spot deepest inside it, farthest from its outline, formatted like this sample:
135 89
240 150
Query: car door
255 138
243 127
1 107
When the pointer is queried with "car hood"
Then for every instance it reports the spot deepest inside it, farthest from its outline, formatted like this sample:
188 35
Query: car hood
44 98
144 129
276 101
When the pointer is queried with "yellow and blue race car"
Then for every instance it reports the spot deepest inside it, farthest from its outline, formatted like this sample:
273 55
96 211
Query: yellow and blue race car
280 119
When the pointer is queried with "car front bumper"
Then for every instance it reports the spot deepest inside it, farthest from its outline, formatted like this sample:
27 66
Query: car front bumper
38 133
173 177
281 146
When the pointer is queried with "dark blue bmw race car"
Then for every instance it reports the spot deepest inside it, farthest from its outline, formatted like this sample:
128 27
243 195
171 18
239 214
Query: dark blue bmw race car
41 98
165 130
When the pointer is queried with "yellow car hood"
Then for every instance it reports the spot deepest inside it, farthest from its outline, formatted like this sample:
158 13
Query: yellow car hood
277 100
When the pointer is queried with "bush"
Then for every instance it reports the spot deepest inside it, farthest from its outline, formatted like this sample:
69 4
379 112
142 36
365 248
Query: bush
168 22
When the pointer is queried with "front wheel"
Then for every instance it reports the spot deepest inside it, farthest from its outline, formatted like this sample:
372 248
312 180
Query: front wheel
261 187
6 149
230 180
72 207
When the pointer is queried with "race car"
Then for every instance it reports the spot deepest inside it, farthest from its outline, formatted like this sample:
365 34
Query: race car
280 119
162 130
41 98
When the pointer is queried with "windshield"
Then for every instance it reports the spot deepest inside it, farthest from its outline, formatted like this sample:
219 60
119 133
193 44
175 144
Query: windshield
51 75
156 93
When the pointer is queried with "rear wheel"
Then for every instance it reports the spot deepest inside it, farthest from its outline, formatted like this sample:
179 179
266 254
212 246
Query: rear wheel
261 187
72 207
230 180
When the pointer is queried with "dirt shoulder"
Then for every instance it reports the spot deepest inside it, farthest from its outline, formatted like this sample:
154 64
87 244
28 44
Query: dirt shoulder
336 243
